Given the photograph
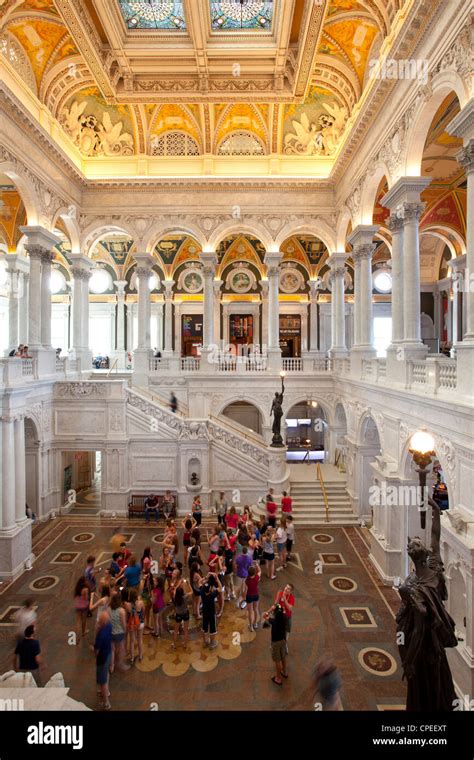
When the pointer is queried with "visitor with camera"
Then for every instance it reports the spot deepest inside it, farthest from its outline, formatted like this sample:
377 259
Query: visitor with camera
277 620
210 588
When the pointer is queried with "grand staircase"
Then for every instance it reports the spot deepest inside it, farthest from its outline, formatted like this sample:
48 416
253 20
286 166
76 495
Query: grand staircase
309 504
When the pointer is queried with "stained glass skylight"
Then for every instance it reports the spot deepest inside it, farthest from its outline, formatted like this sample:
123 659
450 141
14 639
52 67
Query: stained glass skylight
241 14
153 14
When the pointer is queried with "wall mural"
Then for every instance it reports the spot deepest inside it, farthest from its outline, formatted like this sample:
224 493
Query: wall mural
316 127
96 128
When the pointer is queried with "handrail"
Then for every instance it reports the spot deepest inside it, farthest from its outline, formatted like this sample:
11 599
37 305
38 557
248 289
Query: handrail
112 367
240 429
323 488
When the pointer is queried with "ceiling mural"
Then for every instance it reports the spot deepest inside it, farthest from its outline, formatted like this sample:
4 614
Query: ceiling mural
128 106
316 127
381 213
12 213
96 128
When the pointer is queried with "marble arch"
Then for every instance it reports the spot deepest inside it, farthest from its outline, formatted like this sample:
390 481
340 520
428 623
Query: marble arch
160 231
71 226
292 401
369 192
236 398
318 229
343 221
240 227
92 235
445 234
422 120
26 189
362 425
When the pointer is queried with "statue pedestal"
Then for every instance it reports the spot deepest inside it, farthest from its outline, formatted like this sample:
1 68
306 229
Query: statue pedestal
279 471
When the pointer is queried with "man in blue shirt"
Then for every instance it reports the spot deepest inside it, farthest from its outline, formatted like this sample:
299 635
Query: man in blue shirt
103 651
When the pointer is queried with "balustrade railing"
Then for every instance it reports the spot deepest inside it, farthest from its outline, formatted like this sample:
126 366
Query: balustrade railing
157 365
27 368
190 364
293 365
447 374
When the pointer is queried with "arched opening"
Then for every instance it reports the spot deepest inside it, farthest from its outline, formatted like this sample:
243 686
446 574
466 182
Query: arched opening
339 436
369 449
306 429
13 269
246 415
32 470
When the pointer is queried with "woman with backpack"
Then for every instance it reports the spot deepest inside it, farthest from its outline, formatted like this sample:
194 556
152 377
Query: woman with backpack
118 618
135 610
179 598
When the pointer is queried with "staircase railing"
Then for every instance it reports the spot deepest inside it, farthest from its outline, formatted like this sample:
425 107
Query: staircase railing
323 489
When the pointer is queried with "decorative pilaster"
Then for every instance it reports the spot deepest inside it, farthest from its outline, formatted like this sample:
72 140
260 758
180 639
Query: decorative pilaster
8 474
142 353
20 469
337 279
313 342
39 245
23 308
272 261
264 296
81 273
209 260
217 285
395 225
362 252
466 159
168 347
119 353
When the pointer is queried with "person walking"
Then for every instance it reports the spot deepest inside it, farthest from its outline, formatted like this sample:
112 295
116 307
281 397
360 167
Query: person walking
220 506
27 657
103 652
286 504
173 403
328 684
276 618
24 617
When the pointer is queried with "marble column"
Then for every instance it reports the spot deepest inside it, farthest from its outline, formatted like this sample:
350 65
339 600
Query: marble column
119 352
8 474
46 260
466 159
13 305
23 311
80 273
363 248
412 213
395 225
34 305
337 276
209 260
272 261
168 294
20 469
264 296
217 285
404 202
313 316
144 266
458 279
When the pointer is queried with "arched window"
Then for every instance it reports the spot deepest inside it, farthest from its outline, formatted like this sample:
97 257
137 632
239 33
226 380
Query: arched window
174 144
241 144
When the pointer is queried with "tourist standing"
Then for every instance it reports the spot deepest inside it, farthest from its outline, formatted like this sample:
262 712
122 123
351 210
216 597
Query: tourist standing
197 510
269 553
290 536
81 605
210 590
158 600
103 651
277 620
252 598
180 600
220 506
281 538
135 610
118 618
133 573
286 504
242 564
286 599
168 505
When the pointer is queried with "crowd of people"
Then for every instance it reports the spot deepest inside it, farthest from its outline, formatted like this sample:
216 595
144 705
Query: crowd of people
20 353
195 571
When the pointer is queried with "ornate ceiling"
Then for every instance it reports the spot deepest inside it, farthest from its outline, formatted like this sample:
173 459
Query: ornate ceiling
187 78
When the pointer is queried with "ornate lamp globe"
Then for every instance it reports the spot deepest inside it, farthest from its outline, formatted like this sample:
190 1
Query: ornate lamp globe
422 443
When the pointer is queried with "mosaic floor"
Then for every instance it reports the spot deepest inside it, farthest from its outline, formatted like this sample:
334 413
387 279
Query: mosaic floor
341 609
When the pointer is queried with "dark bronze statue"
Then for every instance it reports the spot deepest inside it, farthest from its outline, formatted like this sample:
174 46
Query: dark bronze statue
424 627
277 411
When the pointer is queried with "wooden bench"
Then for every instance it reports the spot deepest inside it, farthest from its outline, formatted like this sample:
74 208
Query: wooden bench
136 506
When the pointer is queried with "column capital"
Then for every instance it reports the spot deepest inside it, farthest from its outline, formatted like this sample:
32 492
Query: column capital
405 190
39 236
394 223
337 259
412 211
363 252
264 284
120 285
78 273
144 261
362 235
466 157
217 285
272 261
17 264
81 266
168 286
463 124
314 288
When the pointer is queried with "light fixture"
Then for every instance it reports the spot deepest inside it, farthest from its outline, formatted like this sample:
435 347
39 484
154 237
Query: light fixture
422 450
383 281
57 282
100 282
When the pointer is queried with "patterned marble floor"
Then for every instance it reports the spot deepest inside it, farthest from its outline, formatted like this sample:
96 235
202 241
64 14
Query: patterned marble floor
341 609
